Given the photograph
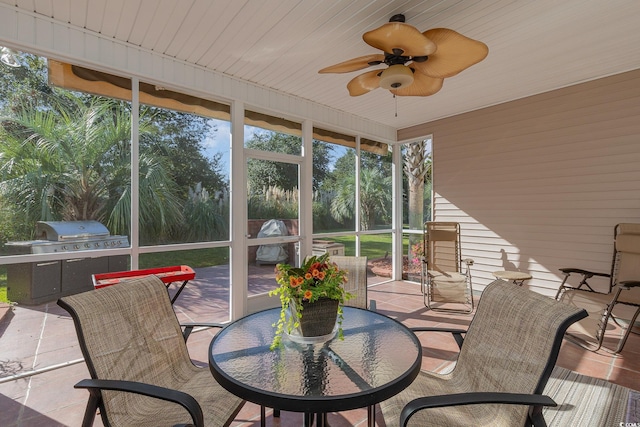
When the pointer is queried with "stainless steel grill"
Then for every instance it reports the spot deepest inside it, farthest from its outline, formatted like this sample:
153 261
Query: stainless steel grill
68 236
38 282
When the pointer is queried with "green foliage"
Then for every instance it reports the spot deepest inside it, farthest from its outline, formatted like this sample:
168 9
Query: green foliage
178 137
375 198
273 202
262 173
274 174
205 218
322 219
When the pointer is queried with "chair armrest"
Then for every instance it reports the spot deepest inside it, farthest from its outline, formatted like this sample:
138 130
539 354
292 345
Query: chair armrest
185 400
585 273
628 284
457 333
188 328
473 398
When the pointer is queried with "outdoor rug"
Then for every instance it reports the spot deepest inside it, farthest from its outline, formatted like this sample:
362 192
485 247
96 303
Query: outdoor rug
587 401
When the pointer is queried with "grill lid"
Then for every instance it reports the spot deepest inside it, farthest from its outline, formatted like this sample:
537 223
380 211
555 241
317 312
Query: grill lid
70 230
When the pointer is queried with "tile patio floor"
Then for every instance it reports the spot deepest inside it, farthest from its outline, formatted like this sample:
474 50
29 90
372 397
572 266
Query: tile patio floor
43 336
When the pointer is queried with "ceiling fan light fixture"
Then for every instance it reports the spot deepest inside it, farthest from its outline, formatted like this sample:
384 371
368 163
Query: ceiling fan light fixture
396 77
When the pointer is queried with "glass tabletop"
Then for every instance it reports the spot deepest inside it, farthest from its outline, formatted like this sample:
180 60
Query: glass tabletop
377 359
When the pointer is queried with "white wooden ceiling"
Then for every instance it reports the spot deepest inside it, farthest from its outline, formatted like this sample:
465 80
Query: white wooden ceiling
534 46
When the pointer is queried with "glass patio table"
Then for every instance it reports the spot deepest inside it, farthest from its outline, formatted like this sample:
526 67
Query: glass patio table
378 358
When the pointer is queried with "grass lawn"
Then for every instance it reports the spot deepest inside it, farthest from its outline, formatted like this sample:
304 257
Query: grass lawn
194 258
3 283
373 245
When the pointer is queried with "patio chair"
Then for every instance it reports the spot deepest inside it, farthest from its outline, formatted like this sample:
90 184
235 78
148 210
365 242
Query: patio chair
141 373
445 286
356 267
506 357
622 293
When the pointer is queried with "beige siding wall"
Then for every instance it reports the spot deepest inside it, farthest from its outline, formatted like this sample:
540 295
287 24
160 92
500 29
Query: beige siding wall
539 183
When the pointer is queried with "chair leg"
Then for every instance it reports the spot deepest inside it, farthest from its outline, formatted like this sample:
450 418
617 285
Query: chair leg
92 407
535 415
308 419
631 325
371 416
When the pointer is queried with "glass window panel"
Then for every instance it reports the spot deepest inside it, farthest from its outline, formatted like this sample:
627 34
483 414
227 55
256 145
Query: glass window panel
334 187
261 262
272 193
65 155
412 256
378 249
184 177
375 191
261 271
208 291
416 184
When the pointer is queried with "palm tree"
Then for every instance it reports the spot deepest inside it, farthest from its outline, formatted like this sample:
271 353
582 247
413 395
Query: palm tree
70 161
375 197
417 168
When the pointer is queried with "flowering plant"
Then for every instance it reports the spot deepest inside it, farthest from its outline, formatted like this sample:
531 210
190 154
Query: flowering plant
316 278
418 252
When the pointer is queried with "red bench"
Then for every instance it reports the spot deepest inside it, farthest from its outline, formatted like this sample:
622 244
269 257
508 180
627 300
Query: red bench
169 275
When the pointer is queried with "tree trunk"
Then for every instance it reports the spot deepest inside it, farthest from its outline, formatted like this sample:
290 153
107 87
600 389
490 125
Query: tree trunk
416 168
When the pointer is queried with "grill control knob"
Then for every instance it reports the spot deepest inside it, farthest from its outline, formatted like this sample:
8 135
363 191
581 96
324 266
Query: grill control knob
64 248
76 247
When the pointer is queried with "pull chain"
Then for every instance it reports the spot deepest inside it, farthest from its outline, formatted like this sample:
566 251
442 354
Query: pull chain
396 100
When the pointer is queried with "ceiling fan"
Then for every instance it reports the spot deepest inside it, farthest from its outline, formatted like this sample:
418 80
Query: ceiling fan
417 62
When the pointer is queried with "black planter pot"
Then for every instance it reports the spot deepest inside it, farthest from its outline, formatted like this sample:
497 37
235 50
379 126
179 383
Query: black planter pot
318 318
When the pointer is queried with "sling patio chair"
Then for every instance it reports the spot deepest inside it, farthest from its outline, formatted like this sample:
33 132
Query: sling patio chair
505 360
137 357
620 301
445 285
356 268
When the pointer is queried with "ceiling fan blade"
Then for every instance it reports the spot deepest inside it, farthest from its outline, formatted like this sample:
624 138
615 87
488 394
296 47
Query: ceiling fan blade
455 53
398 35
364 83
422 85
354 64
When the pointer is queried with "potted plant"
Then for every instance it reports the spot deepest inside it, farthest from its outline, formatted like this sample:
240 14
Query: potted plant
315 290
